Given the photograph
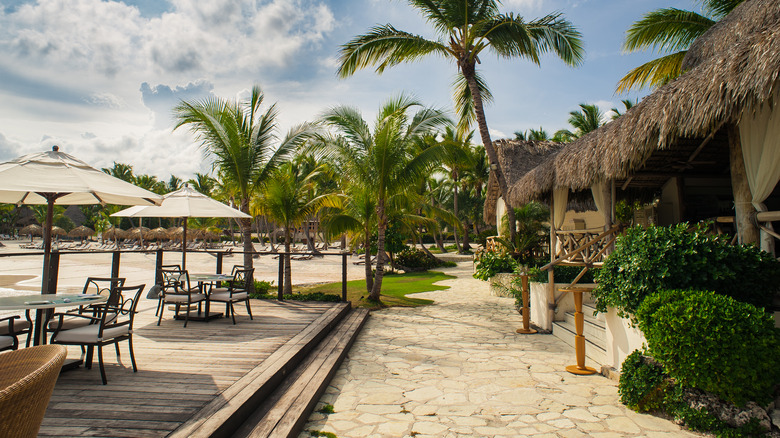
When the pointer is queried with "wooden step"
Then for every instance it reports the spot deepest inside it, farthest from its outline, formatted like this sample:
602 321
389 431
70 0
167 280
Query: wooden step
226 413
286 411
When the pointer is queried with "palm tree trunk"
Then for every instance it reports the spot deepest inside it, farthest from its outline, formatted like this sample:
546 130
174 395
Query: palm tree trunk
246 232
380 251
430 254
466 241
455 211
287 272
471 78
440 241
369 273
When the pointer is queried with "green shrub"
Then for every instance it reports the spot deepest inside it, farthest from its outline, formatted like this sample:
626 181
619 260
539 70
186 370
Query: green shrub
714 343
415 259
314 296
492 263
642 383
563 274
262 286
647 260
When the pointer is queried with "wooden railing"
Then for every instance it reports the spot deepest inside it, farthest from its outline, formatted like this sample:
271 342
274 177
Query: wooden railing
591 250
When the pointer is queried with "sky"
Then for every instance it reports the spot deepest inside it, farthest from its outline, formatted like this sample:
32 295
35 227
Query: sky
100 78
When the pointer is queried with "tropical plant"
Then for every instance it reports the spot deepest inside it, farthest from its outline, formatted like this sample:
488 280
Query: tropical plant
121 171
587 119
627 105
466 28
671 31
240 137
388 160
203 183
285 200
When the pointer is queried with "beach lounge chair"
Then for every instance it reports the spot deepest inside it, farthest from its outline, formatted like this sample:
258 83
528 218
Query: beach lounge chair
112 324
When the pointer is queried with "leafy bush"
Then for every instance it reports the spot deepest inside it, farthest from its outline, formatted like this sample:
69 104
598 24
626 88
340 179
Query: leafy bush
642 383
262 286
563 274
714 343
415 259
314 296
492 263
647 260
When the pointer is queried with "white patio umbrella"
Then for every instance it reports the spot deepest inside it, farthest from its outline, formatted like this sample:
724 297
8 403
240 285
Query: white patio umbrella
54 177
184 203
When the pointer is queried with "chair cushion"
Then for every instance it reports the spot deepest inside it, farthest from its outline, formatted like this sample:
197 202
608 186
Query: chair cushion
89 334
182 299
225 296
68 323
20 325
6 341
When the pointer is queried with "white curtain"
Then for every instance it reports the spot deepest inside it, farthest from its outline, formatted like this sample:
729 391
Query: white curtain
500 212
560 201
760 136
599 192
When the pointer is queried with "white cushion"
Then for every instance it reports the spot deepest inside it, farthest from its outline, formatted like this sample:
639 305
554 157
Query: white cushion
225 296
6 341
89 334
183 298
19 325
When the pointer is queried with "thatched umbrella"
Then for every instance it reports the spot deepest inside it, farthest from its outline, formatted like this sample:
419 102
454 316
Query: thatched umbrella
137 233
114 233
57 231
81 232
32 229
157 234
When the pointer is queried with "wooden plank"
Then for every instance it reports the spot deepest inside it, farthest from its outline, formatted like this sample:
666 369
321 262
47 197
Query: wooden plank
228 411
293 408
181 371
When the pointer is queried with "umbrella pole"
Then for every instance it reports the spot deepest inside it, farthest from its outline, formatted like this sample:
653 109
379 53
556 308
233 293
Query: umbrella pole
184 246
50 198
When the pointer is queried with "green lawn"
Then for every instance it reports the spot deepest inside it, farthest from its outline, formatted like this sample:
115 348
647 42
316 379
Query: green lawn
395 287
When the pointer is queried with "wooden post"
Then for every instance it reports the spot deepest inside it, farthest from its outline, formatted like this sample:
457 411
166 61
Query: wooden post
115 264
579 339
54 268
551 271
747 232
280 292
158 264
344 277
526 330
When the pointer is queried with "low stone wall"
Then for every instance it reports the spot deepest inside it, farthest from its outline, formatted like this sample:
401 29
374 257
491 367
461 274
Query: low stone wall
622 338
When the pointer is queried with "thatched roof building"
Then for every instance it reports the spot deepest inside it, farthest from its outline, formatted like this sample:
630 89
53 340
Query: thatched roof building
516 158
734 68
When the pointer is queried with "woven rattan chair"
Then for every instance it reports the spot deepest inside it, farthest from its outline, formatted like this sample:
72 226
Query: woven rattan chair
112 324
26 383
235 292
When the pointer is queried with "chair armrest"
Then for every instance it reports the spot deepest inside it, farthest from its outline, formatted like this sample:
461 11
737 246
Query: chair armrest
10 320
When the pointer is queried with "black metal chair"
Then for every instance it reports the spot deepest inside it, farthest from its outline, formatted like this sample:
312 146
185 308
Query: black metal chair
17 327
176 290
8 333
237 290
161 284
112 323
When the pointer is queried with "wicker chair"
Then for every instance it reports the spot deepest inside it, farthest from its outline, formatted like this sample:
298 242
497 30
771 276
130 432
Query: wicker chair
26 383
236 291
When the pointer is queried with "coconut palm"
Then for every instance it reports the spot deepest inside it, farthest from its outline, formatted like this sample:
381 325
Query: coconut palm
671 31
587 119
285 200
466 28
121 171
455 165
240 138
203 183
387 160
627 105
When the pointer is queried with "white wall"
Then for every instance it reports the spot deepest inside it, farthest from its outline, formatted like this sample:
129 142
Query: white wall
622 339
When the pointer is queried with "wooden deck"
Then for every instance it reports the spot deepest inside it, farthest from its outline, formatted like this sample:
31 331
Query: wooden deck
185 374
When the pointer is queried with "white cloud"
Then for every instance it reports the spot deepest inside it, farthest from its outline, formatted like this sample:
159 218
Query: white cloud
521 5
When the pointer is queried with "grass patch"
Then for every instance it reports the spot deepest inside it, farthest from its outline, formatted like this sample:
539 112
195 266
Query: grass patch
395 287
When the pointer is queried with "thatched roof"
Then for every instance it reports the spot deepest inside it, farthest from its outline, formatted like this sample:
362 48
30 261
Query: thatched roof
738 77
516 158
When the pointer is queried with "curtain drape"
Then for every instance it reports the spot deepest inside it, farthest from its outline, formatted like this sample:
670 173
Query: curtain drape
560 201
760 136
599 192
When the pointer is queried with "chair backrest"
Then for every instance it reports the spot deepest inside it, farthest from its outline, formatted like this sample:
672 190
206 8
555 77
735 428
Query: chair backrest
124 312
241 279
236 268
103 286
26 385
175 281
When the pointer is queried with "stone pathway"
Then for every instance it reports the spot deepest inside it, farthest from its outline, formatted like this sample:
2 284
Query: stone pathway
457 369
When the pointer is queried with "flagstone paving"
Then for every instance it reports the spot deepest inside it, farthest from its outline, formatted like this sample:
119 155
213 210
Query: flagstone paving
458 369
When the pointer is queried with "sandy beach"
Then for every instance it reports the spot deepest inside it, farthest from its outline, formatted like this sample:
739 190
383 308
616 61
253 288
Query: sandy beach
22 274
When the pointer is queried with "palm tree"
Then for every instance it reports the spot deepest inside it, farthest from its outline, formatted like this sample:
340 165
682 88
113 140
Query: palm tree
466 28
668 30
387 160
285 200
203 183
455 165
174 183
627 105
121 171
588 119
240 138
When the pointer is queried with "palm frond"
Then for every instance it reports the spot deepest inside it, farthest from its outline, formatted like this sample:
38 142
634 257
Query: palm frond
652 74
667 30
464 103
385 46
